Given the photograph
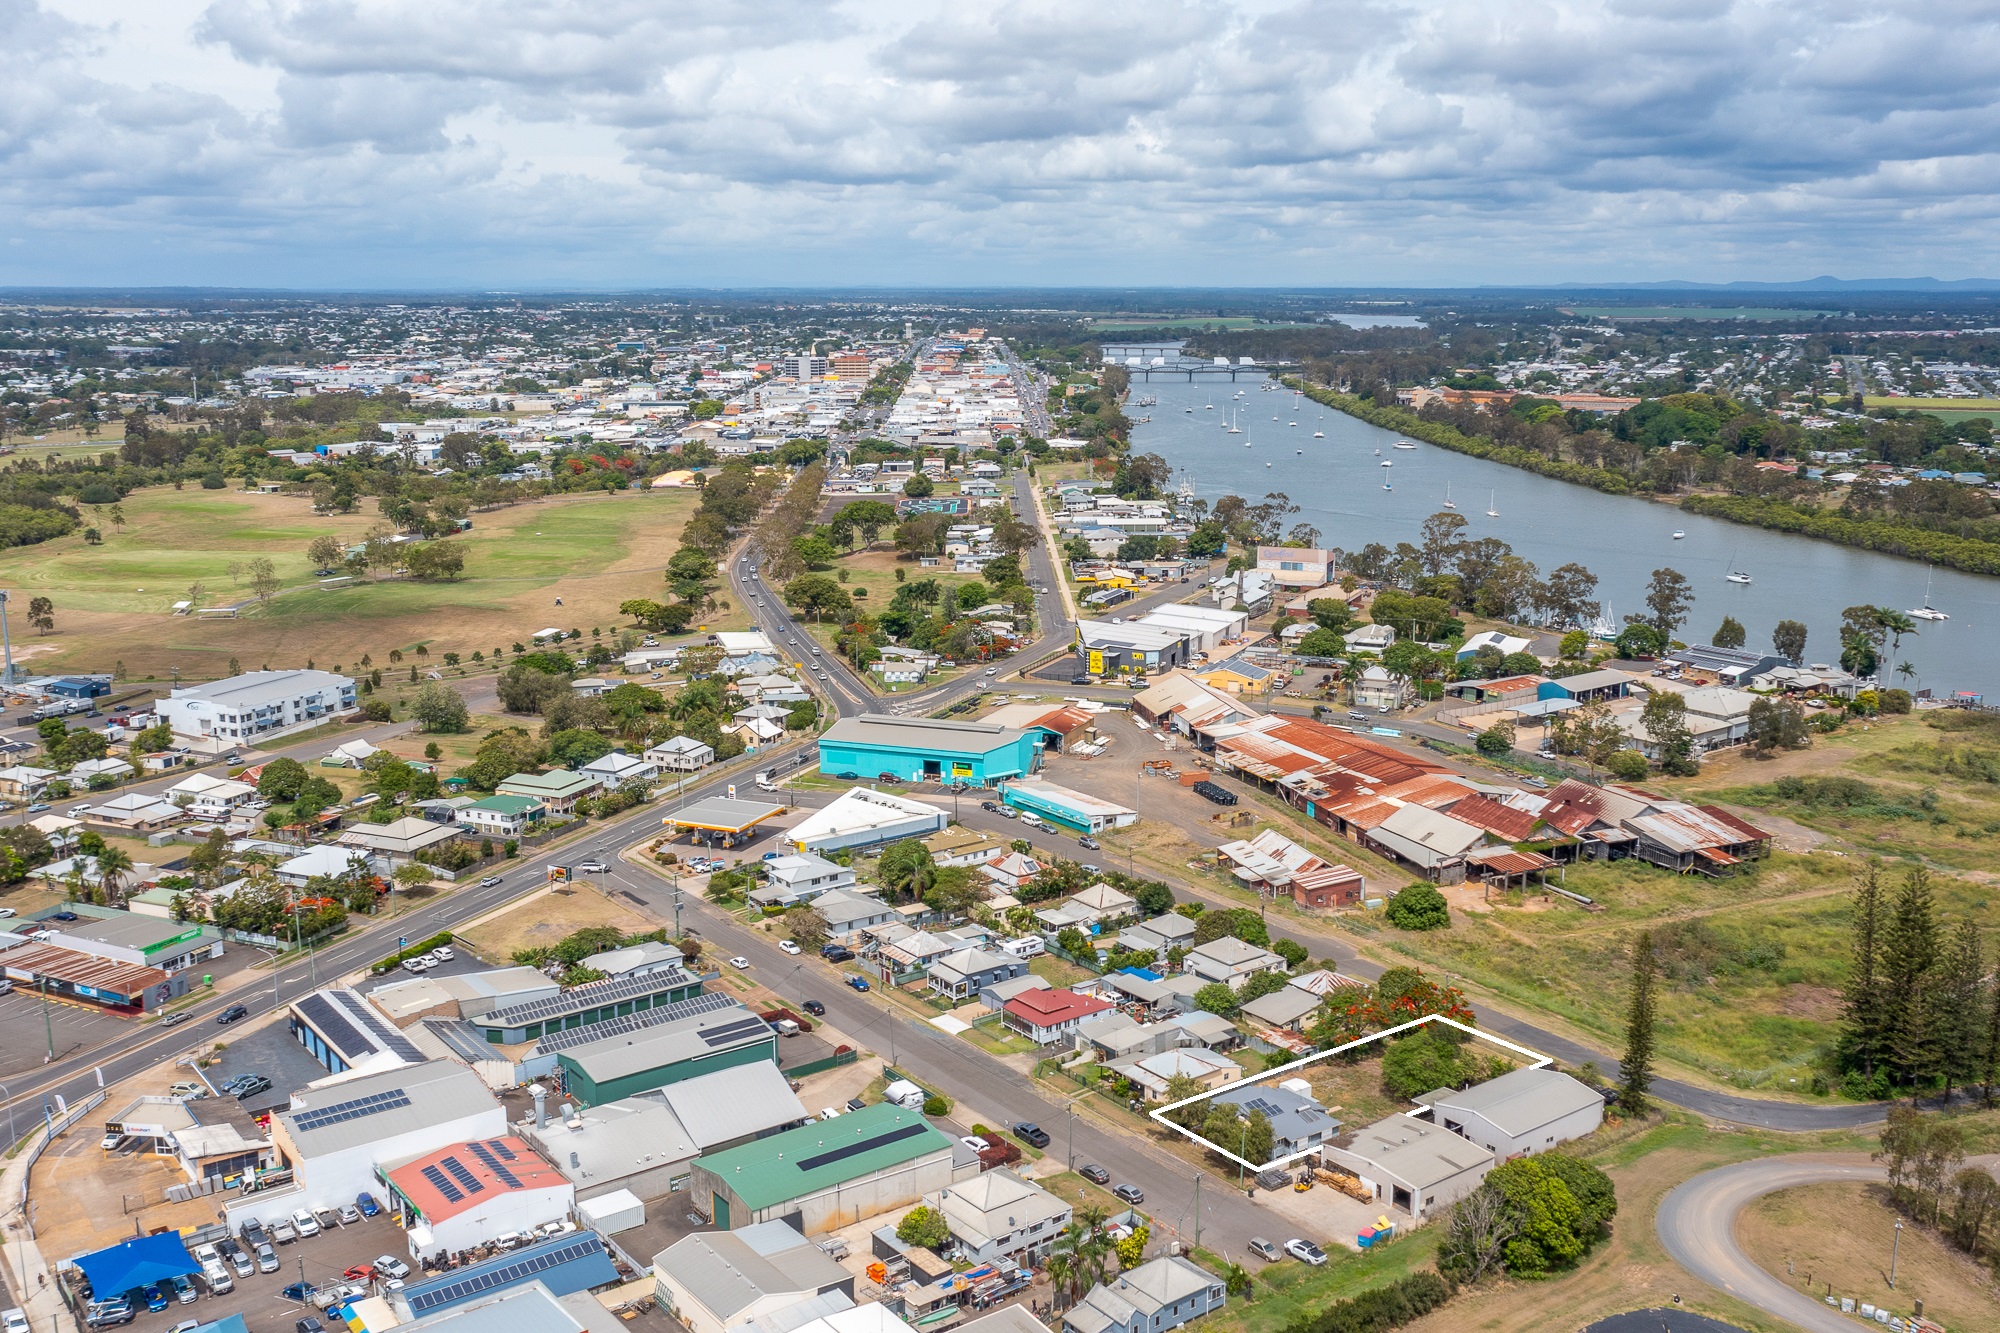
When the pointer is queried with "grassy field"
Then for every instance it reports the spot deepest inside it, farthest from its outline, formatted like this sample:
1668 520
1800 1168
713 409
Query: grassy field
1788 1229
546 918
113 601
1974 405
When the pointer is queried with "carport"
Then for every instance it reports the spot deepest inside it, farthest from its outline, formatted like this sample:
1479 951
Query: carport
135 1263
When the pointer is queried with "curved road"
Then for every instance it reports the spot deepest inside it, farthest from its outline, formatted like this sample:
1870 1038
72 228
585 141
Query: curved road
1697 1224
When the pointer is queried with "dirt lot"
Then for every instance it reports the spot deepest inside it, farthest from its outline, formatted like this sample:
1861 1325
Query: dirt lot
543 919
1786 1233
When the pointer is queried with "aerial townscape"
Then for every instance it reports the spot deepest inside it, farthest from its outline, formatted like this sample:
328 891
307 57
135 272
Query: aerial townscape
861 670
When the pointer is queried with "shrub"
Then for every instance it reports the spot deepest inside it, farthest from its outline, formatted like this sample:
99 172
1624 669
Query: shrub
1419 907
923 1225
1400 1302
1626 766
212 481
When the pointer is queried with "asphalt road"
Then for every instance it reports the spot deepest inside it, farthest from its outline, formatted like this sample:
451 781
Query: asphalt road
1697 1224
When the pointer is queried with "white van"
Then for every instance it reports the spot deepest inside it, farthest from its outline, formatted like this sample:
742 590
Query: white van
217 1276
1028 946
905 1094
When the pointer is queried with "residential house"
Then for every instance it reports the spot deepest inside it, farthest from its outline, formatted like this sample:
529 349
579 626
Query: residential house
1521 1112
206 796
617 770
963 847
557 792
1097 906
24 783
997 1215
1298 1122
117 770
996 995
135 810
681 754
1048 1017
1158 1295
323 863
1160 933
849 912
1290 1009
401 839
964 973
1154 1073
502 816
1380 688
1011 871
799 878
1232 961
1376 639
1294 567
755 731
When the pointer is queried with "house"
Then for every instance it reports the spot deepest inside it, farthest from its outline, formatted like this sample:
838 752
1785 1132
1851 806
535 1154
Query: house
848 913
24 783
720 1281
1047 1017
1370 639
1154 1073
1293 567
997 1215
963 847
1521 1112
617 770
1290 1009
996 994
755 731
1159 934
964 973
348 755
117 770
206 796
502 816
1232 961
1098 905
1298 1122
799 877
681 754
1276 866
256 703
400 839
324 863
1158 1295
556 792
1504 644
1379 688
1407 1164
134 810
1011 871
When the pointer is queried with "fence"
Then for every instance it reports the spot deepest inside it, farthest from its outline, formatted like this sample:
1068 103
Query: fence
844 1056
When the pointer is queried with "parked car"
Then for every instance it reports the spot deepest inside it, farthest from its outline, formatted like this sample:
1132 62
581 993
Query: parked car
1089 844
1095 1174
192 1092
349 1214
6 912
310 1324
789 946
360 1273
366 1203
1305 1251
117 1310
1131 1194
112 1140
390 1264
239 1259
64 916
283 1232
835 953
156 1297
36 809
267 1258
1030 1132
415 965
255 1084
858 983
253 1232
184 1292
1265 1250
305 1222
740 963
987 805
327 1218
815 1008
444 953
232 1014
855 1104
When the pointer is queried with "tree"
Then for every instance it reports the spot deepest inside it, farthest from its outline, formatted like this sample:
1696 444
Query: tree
820 595
1788 640
1636 1069
1626 766
814 551
1423 1060
1240 922
113 865
1567 596
282 779
1664 720
1960 1016
325 551
1498 739
573 747
658 617
1321 642
1668 597
263 578
1549 1236
1419 907
42 614
524 689
1218 999
906 868
412 876
924 1225
1729 634
918 487
1153 898
438 708
1440 541
807 927
1910 953
1863 1025
1331 613
1921 1154
1476 1235
1776 724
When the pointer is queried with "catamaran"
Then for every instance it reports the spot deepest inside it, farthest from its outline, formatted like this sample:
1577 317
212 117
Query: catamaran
1927 611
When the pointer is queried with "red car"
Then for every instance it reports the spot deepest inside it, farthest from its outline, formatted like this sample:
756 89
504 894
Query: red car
360 1273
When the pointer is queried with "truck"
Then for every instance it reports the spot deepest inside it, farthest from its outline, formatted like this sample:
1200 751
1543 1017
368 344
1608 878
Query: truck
767 780
905 1094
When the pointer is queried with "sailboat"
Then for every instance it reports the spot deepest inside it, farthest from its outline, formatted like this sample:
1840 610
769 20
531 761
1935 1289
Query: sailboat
1387 463
1449 503
1209 406
1235 429
1319 435
1735 575
1927 611
1491 512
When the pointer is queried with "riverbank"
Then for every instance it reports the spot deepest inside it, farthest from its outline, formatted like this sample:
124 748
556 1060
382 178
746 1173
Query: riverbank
1893 539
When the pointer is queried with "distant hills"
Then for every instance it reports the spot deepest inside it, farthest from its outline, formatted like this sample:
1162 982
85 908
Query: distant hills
1824 283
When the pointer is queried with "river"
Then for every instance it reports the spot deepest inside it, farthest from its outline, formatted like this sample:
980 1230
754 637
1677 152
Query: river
1337 483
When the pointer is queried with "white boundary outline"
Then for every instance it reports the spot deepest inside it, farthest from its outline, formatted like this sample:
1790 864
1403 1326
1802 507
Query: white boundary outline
1539 1061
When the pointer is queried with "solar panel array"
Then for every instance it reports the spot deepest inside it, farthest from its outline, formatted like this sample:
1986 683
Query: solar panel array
589 996
340 1023
847 1150
388 1035
730 1032
493 1163
332 1024
497 1275
322 1116
630 1023
451 1192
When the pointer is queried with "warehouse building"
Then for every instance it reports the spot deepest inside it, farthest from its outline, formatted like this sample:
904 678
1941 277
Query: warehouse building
721 1281
1111 647
465 1195
864 818
587 1005
1066 806
256 704
828 1174
343 1031
683 1047
919 749
141 940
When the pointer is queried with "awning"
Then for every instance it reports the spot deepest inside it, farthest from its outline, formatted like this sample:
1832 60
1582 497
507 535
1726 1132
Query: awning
136 1263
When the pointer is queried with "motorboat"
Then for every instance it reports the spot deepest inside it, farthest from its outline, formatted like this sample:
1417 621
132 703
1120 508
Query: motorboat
1927 611
1678 534
1387 463
1404 444
1319 435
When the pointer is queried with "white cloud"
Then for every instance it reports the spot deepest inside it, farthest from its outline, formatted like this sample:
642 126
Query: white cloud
350 142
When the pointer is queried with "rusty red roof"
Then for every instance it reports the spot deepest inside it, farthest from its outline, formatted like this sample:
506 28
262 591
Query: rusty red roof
1503 821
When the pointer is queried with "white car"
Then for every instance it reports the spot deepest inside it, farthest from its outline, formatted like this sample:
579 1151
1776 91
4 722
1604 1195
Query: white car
415 965
444 953
1305 1251
390 1264
6 912
788 946
740 963
307 1224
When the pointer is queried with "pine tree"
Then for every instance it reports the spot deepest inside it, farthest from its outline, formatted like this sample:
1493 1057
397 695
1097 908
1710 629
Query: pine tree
1861 1017
1637 1067
1910 950
1958 1019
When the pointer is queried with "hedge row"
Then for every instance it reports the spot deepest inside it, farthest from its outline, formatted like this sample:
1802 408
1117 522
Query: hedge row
395 960
1375 1311
1869 534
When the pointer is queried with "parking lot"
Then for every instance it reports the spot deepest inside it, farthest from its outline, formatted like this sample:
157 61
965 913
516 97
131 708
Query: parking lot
319 1260
25 1035
270 1050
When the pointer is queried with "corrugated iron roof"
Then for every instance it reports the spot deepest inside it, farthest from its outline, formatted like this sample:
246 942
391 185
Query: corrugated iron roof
1497 819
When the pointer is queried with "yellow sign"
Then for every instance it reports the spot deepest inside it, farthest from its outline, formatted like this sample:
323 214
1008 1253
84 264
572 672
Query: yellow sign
1096 662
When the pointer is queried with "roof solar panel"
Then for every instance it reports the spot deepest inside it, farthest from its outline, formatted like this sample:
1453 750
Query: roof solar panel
430 1297
332 1024
729 1032
589 996
484 1152
500 1149
442 1186
321 1116
846 1150
463 1175
638 1022
390 1037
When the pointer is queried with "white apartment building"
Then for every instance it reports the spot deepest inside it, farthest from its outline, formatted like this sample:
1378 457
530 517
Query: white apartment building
257 703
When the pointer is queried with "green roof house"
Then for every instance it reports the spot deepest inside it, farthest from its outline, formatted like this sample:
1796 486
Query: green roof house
558 791
502 816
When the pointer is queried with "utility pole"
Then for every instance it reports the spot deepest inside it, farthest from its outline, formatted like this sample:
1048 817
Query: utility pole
1896 1249
6 644
1197 1210
48 1026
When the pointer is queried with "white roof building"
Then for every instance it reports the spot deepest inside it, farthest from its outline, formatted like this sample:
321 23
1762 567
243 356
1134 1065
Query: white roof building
256 703
863 817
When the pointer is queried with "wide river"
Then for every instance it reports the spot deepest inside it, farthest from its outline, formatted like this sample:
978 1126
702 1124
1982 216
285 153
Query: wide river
1337 482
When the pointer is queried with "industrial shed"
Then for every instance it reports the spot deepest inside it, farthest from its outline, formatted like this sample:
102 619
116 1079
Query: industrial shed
827 1174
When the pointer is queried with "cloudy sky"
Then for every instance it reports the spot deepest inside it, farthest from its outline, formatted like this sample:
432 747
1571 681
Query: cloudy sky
495 143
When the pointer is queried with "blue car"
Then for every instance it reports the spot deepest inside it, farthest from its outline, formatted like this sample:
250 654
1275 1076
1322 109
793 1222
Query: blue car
366 1203
156 1296
299 1291
859 983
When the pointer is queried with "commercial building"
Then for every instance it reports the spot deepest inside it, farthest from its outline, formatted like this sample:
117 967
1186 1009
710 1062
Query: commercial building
638 992
343 1031
213 1139
256 703
1276 866
1161 1294
997 1215
1072 809
558 791
539 1288
465 1195
916 749
827 1174
1111 647
1520 1112
140 940
862 817
605 1068
721 820
122 988
1206 628
721 1281
1409 1165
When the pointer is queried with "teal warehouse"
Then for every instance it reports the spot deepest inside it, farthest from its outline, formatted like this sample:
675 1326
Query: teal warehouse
918 749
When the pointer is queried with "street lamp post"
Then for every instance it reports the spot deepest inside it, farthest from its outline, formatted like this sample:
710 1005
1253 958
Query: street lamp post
1895 1249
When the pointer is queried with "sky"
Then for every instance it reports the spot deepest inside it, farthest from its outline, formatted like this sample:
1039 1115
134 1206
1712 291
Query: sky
524 144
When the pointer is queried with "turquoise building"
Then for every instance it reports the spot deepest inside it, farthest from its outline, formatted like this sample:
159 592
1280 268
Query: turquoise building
921 749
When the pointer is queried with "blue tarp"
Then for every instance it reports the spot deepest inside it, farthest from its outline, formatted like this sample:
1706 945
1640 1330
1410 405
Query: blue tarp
1144 974
136 1263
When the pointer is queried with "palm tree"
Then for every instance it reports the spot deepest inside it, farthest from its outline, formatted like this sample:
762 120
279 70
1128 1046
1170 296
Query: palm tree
113 864
1895 624
1908 671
